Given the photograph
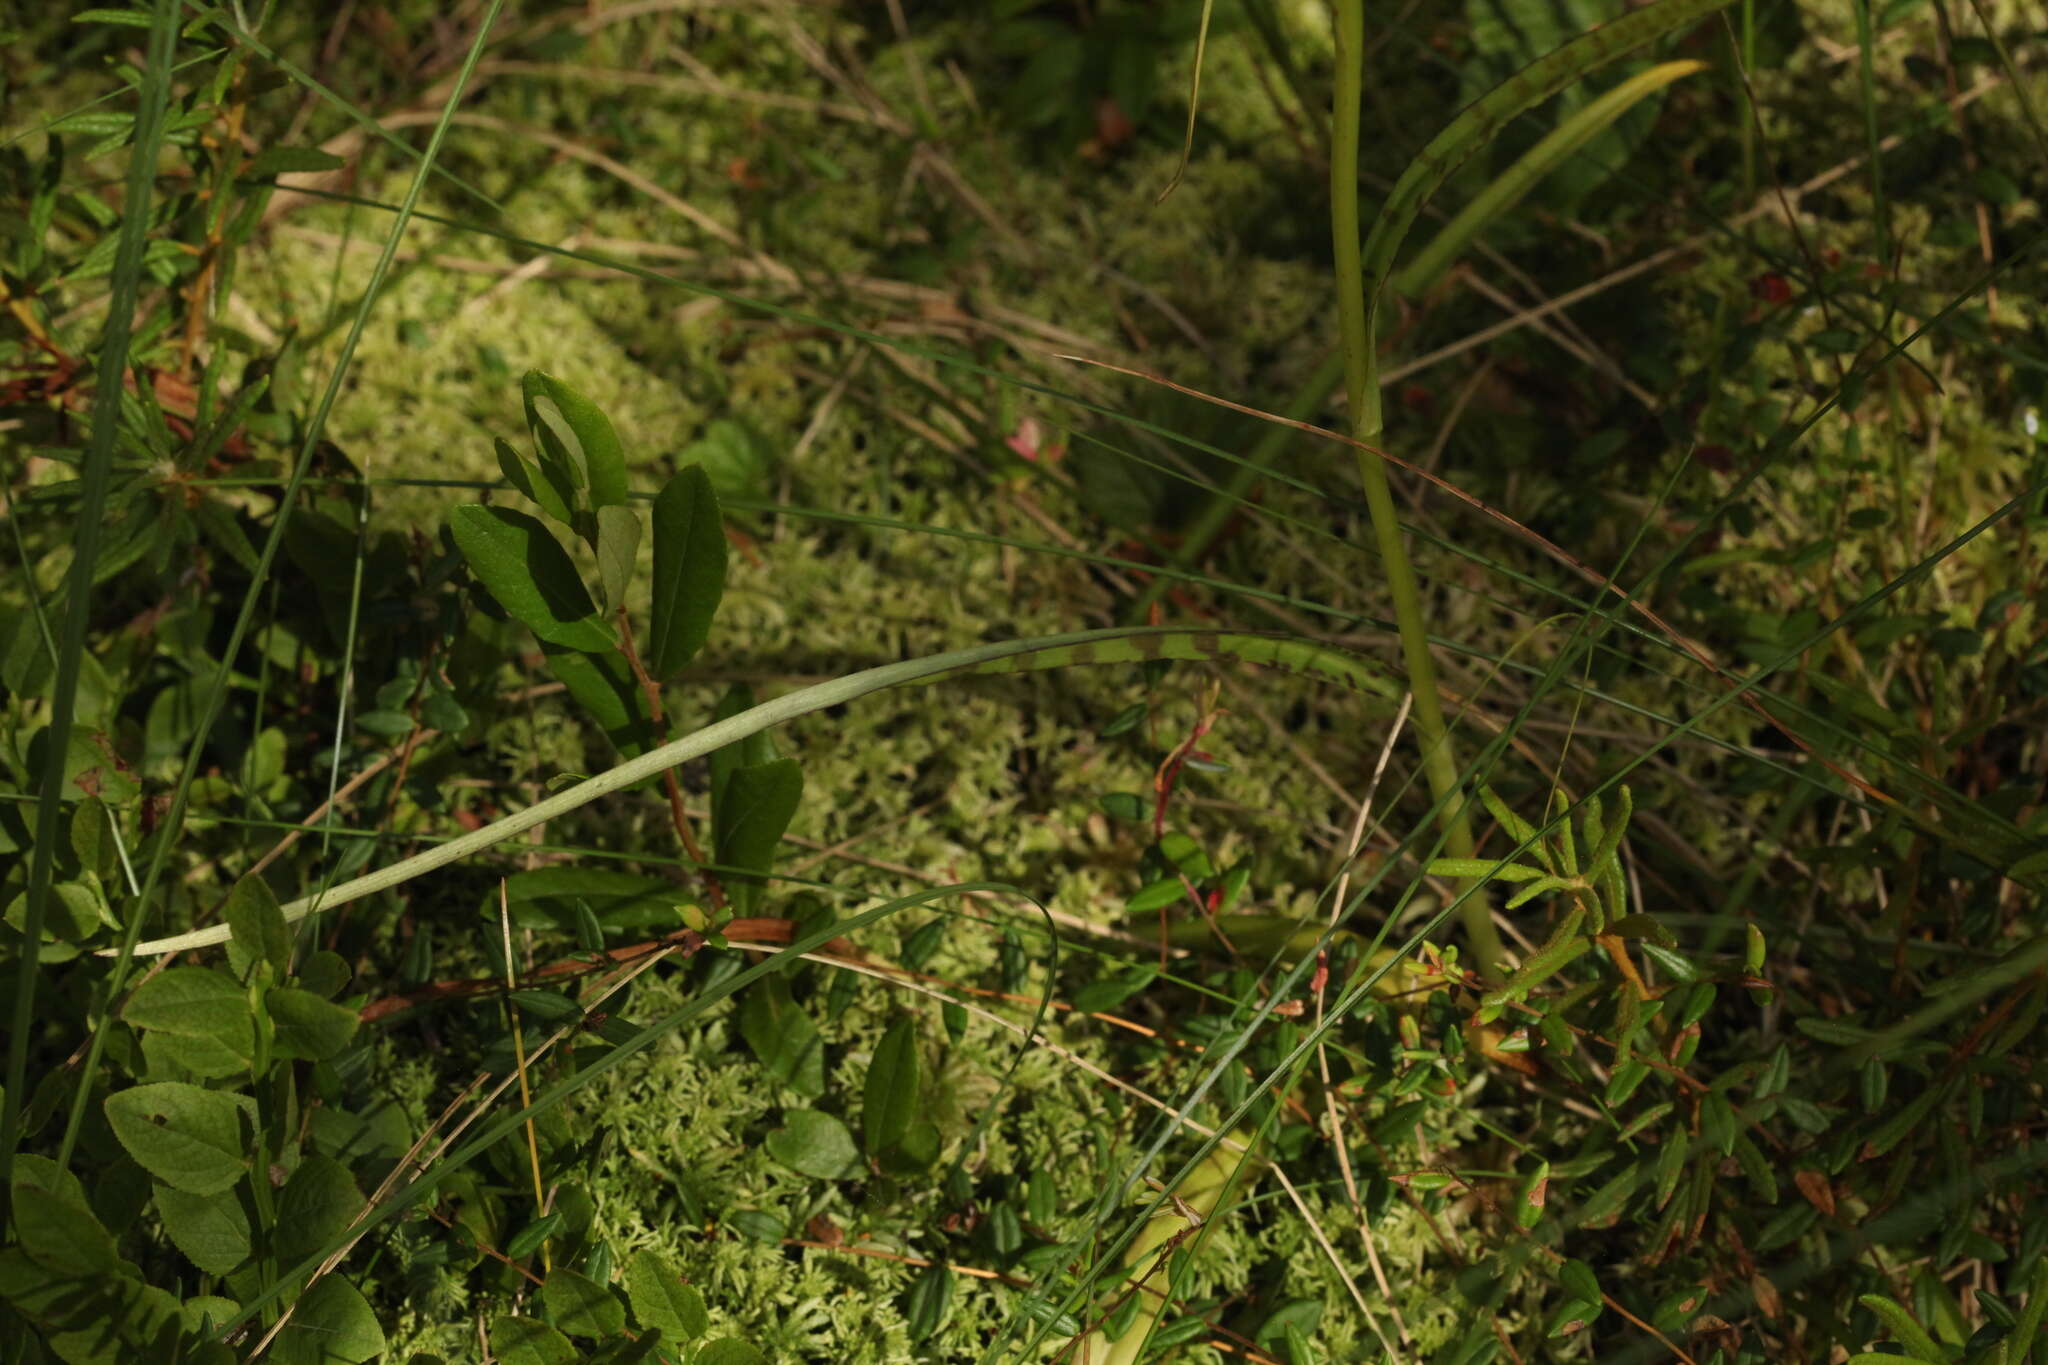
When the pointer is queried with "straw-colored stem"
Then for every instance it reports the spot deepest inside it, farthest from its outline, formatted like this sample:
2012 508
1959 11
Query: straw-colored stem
1357 312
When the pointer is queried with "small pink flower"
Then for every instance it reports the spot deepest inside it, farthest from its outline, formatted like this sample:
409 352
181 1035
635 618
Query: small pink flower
1029 441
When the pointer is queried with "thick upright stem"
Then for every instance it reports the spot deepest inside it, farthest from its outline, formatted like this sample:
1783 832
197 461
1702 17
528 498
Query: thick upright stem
1357 310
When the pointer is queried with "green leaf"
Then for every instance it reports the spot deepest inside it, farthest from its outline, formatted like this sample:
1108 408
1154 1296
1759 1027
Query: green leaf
195 1002
752 814
1900 1324
316 1205
1484 867
929 1302
532 577
815 1144
275 161
890 1097
689 570
529 1341
603 684
530 480
307 1026
571 429
529 1238
618 545
257 924
581 1306
62 1235
731 457
332 1325
729 1351
189 1138
783 1037
211 1229
660 1299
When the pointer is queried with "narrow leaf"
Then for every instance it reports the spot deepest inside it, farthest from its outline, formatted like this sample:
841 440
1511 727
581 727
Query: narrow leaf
890 1098
530 480
572 429
618 545
689 570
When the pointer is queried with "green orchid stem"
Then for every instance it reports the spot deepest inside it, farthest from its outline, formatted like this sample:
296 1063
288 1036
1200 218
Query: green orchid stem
1357 310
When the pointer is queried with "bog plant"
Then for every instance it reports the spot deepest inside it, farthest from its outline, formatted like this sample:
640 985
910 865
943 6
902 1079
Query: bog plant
1636 1134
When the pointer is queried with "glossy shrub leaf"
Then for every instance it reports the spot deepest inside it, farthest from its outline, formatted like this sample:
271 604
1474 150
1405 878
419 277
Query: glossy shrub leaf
751 816
661 1300
889 1099
306 1026
813 1143
689 570
724 762
190 1139
258 925
529 1341
581 1306
729 1351
602 684
783 1037
572 430
929 1302
618 546
332 1325
211 1229
316 1206
530 480
523 566
198 1003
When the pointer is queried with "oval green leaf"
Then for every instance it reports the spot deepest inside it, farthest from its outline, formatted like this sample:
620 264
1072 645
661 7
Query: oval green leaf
521 564
661 1300
190 1139
890 1097
689 570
